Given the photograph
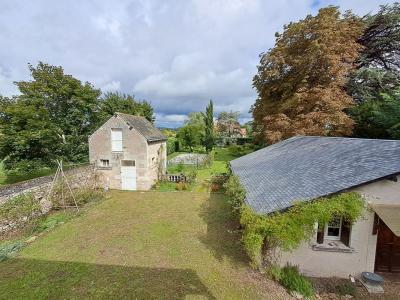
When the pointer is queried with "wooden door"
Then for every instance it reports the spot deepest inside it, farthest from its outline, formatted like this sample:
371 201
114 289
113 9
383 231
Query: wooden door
387 250
128 178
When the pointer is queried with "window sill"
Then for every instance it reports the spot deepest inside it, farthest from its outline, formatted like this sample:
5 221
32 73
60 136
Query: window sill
332 246
104 168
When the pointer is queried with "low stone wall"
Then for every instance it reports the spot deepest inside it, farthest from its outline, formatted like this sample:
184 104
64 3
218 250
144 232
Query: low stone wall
40 186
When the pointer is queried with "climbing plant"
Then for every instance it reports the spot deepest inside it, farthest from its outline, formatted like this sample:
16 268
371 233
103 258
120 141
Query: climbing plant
287 229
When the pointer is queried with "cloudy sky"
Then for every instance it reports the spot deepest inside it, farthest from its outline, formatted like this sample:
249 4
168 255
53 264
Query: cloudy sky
177 54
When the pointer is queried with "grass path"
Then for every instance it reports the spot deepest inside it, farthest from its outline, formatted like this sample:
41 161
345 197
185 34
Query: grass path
138 245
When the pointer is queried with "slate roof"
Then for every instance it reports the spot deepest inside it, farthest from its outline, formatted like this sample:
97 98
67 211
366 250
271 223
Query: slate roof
144 127
307 167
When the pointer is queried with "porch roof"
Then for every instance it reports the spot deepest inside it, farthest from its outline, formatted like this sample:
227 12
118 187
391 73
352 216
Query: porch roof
390 214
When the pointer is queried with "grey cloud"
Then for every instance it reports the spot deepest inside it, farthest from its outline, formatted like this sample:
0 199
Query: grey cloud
176 54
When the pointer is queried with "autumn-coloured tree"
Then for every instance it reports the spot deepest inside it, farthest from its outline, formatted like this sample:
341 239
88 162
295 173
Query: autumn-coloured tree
300 82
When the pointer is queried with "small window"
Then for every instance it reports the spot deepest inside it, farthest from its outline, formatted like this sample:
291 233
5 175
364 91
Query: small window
104 163
333 229
127 163
116 140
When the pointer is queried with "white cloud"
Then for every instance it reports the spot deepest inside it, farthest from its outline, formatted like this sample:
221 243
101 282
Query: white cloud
112 86
176 54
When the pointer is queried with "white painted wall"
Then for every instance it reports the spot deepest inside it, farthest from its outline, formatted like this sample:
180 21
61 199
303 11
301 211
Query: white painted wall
338 264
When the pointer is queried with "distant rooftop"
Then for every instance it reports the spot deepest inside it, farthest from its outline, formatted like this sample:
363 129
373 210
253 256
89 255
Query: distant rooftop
307 167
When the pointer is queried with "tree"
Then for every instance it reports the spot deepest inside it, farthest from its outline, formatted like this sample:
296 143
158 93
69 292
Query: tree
227 122
379 119
208 117
377 76
71 107
28 140
189 136
300 82
112 102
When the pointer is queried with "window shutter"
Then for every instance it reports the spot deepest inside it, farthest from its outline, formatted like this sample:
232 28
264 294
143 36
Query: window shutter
116 140
320 233
345 233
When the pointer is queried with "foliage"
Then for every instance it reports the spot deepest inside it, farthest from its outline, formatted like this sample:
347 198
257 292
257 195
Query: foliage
181 186
19 211
28 135
218 181
227 123
377 77
190 136
379 119
290 277
286 230
236 193
209 127
171 145
53 117
346 289
300 82
50 221
8 249
112 102
381 39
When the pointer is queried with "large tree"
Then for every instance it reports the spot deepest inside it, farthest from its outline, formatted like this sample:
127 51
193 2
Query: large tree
71 107
377 76
113 102
50 119
300 82
28 137
208 116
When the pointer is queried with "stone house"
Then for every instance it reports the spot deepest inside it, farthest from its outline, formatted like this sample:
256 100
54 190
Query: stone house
304 168
129 152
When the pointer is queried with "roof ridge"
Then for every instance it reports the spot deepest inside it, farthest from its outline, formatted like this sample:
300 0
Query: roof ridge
344 138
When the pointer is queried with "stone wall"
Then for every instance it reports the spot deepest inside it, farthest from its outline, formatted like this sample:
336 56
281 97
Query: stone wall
79 176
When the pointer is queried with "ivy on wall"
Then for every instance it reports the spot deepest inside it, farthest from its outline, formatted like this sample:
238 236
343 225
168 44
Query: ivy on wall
287 229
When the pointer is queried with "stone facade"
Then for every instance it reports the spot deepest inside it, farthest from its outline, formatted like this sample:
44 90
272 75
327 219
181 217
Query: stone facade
149 157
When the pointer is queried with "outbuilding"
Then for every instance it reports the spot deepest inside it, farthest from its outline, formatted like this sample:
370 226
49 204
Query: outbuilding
305 168
129 152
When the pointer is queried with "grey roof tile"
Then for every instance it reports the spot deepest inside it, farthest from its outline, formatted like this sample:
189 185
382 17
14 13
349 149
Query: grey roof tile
307 167
144 127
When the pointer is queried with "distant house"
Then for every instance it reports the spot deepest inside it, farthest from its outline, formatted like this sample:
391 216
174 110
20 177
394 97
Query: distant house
304 168
129 152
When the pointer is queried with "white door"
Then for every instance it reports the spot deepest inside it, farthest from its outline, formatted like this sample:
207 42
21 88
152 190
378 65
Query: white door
128 176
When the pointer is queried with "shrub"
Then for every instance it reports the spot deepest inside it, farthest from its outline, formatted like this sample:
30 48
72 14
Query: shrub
236 193
6 250
180 186
235 150
292 280
217 182
191 175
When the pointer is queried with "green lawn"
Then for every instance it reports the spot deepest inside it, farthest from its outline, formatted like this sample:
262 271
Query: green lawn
140 245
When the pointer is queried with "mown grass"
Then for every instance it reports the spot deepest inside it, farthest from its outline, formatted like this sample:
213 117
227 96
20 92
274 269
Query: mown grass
139 245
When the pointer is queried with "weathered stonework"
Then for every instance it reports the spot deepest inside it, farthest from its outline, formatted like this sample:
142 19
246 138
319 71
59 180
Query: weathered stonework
149 156
40 186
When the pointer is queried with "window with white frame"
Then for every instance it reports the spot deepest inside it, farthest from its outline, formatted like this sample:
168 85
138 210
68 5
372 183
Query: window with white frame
116 140
105 163
333 229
